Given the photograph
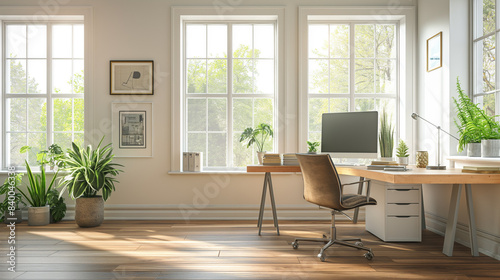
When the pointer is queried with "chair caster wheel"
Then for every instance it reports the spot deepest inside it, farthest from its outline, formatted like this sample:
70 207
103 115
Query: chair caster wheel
369 255
359 243
322 257
295 245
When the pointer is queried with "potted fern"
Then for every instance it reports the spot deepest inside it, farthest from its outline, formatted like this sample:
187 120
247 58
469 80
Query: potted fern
90 171
402 153
386 137
257 136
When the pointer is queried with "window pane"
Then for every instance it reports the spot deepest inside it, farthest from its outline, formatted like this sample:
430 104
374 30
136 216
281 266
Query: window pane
318 41
317 106
242 156
487 102
197 142
14 143
63 140
264 76
196 40
16 76
376 104
61 75
78 114
242 40
243 78
318 76
217 40
339 105
216 155
242 114
489 11
217 114
263 111
197 114
385 79
217 75
78 139
62 116
386 40
489 71
264 40
196 76
77 79
38 141
37 114
62 38
364 76
16 40
339 76
37 76
16 114
364 40
339 45
37 41
315 137
78 41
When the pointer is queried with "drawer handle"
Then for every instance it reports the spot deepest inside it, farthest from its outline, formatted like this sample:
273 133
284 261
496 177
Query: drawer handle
402 190
402 216
402 203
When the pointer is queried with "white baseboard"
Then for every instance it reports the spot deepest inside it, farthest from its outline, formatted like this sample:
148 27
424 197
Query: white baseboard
488 244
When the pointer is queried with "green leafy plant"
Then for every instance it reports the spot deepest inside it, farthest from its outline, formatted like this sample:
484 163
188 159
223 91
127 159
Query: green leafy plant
312 146
57 206
52 156
37 190
90 171
17 202
402 149
259 136
386 137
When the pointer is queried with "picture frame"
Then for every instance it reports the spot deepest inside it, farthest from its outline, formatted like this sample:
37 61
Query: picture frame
131 77
435 52
132 125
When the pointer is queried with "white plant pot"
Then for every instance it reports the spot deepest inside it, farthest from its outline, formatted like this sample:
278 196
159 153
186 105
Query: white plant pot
39 216
490 148
260 156
474 149
403 160
89 211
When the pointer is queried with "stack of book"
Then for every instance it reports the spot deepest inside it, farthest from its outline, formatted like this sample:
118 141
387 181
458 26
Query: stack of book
290 159
481 169
271 159
380 165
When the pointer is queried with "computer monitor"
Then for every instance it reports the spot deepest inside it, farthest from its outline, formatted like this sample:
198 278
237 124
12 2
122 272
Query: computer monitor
350 134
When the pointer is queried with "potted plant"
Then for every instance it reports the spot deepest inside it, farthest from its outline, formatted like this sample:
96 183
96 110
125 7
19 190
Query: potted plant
312 147
402 153
90 171
57 206
386 137
259 136
468 118
10 208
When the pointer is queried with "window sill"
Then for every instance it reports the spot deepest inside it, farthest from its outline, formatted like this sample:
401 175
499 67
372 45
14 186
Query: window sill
224 172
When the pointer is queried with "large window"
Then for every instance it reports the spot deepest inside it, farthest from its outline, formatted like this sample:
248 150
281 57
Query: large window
485 32
229 85
352 66
42 86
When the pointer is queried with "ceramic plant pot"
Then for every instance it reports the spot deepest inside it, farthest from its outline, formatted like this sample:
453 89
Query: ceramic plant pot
474 149
89 211
39 216
490 148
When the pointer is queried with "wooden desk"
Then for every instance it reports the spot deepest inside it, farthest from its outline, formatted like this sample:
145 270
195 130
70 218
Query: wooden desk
450 176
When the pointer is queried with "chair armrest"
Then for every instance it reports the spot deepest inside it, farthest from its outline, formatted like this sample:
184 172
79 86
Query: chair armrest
357 182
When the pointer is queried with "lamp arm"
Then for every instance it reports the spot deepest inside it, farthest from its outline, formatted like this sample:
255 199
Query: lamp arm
414 116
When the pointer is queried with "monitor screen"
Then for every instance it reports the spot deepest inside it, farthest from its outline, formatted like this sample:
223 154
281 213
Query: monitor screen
350 134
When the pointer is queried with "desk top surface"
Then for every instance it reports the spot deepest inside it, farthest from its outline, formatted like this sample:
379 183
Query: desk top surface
413 176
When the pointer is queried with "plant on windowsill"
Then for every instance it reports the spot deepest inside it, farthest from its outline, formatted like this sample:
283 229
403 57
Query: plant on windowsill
312 147
10 208
402 153
386 137
90 171
257 136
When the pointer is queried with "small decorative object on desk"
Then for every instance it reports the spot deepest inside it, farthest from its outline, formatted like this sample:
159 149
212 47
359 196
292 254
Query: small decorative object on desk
312 147
402 153
272 159
422 159
290 159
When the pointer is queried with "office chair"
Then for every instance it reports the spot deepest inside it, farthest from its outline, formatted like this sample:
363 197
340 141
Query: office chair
322 187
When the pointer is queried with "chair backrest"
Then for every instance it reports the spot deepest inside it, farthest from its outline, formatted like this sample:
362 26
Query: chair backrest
321 180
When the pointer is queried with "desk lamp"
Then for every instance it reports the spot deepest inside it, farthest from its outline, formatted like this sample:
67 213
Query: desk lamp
438 166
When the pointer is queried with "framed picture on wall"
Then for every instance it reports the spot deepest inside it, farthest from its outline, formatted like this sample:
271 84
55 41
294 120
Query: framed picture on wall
435 52
132 129
131 77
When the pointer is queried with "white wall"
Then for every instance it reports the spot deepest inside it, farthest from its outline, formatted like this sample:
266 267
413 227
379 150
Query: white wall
435 92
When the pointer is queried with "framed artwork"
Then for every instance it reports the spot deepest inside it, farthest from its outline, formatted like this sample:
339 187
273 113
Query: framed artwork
131 77
132 129
434 52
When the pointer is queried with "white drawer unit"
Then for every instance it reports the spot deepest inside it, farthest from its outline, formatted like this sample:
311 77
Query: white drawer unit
397 215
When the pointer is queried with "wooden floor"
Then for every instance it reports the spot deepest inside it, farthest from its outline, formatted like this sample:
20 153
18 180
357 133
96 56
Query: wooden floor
226 250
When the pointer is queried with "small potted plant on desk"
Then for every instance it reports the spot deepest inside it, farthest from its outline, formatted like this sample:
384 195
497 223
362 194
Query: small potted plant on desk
10 208
259 136
402 153
312 147
90 171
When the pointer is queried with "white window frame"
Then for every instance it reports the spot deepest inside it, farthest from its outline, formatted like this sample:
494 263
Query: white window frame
33 15
181 15
406 19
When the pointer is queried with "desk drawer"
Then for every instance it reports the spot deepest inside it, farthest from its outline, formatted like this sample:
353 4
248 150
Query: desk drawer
403 196
406 229
402 209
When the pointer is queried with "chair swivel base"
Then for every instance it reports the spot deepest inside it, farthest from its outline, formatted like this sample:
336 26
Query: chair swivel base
329 242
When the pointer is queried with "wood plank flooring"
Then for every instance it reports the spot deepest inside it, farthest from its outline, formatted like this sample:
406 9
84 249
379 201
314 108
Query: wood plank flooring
225 250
